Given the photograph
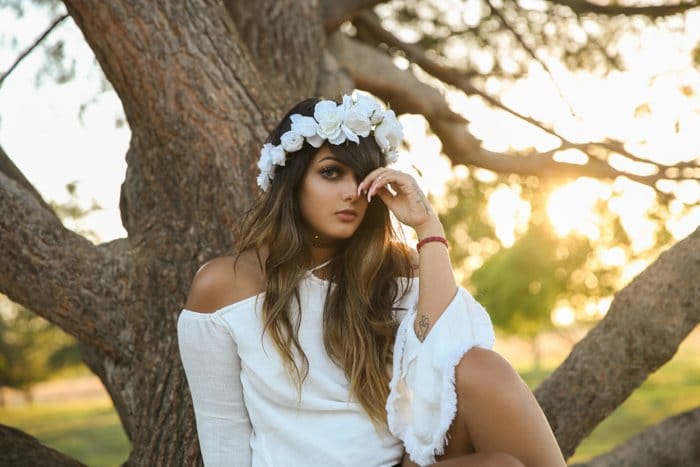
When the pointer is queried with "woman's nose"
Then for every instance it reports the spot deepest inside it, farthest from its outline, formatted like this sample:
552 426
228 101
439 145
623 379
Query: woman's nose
350 191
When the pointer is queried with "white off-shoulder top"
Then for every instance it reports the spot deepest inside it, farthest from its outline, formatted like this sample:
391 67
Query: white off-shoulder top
249 413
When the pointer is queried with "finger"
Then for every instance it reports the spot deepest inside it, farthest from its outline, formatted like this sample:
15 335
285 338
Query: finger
370 178
382 180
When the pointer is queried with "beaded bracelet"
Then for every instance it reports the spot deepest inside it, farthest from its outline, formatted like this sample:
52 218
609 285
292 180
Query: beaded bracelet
431 239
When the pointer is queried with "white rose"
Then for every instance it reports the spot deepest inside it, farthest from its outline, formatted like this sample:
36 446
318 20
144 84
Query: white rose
277 155
369 107
265 161
308 128
329 116
389 132
291 141
264 181
356 121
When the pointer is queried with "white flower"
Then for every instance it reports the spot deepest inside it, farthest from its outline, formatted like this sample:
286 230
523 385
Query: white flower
277 155
291 141
264 181
335 123
356 121
389 133
265 161
308 128
329 116
369 107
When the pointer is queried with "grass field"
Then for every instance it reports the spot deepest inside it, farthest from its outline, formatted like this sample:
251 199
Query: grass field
90 430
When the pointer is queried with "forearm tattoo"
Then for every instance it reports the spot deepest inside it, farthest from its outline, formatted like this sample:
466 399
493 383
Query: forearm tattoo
421 198
423 325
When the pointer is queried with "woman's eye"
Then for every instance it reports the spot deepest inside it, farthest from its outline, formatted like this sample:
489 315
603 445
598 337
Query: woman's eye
331 172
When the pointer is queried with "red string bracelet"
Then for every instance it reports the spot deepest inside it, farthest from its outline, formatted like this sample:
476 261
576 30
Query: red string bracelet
431 239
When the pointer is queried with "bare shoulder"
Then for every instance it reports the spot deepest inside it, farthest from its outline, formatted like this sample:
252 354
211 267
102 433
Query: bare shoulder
224 280
484 371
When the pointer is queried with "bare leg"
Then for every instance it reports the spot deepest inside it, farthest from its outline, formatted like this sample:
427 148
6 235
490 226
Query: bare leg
498 420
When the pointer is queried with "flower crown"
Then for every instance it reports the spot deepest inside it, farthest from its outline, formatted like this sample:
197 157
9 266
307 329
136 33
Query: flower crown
335 123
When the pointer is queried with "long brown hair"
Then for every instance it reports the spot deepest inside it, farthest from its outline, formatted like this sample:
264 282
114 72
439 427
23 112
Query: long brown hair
358 318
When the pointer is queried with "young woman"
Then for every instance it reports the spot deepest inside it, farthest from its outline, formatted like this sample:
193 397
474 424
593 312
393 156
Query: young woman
325 341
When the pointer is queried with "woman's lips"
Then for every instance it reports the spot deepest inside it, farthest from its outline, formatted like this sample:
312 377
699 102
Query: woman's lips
346 216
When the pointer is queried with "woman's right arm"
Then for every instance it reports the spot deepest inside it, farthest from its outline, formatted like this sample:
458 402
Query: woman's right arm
210 358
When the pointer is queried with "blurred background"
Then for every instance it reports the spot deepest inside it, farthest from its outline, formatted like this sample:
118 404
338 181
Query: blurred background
544 253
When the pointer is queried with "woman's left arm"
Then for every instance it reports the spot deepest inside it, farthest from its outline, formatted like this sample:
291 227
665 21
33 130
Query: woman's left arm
437 286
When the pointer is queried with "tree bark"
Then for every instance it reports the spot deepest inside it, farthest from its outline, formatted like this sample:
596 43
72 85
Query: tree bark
646 323
19 448
614 9
11 171
198 107
673 442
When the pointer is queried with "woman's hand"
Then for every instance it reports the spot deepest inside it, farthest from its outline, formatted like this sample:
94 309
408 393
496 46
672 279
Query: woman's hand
409 204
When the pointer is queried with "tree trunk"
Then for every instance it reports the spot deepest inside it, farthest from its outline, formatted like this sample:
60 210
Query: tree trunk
201 83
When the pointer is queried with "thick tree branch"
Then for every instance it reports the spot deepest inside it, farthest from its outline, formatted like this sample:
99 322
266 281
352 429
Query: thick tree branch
335 13
10 170
19 448
284 47
653 446
646 323
57 273
375 72
615 9
31 48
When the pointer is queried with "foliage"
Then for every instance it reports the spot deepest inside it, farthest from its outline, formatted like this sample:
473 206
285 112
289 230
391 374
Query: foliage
31 348
522 284
89 431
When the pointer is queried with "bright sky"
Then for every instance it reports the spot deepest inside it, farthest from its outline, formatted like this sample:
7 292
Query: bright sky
40 130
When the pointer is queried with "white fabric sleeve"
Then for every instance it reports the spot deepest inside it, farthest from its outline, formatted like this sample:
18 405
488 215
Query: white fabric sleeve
423 401
212 366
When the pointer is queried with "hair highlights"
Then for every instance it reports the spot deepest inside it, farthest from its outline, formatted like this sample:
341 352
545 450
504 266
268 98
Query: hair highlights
359 326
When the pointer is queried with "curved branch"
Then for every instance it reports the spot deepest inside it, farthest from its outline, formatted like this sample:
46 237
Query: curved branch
652 448
31 48
462 82
335 13
19 448
9 168
40 256
530 51
646 323
615 9
375 72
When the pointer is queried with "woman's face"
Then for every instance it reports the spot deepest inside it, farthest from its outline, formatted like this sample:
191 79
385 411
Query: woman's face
328 197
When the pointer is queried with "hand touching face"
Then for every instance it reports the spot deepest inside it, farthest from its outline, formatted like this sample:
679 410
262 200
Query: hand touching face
409 204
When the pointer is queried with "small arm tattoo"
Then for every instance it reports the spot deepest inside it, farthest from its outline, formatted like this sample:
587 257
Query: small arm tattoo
421 198
423 324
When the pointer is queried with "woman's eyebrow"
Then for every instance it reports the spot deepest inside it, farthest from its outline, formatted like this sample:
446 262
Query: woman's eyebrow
331 158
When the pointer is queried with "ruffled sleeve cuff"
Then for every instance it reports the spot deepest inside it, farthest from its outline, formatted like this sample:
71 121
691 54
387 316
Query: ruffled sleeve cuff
422 401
